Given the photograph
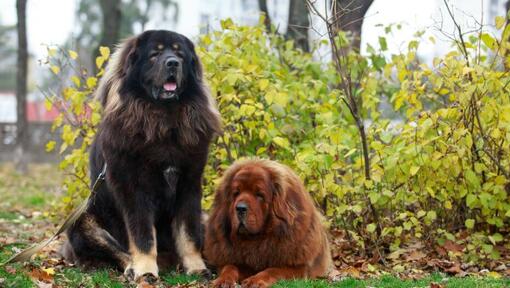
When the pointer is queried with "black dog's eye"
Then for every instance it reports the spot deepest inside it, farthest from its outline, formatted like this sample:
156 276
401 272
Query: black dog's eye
154 54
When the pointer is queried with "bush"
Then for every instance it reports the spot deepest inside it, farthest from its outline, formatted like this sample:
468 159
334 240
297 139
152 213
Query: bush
439 166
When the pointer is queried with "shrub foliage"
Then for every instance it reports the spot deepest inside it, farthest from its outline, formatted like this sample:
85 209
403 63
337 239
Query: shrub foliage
438 135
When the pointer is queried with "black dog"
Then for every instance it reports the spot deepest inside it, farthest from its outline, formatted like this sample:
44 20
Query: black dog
154 137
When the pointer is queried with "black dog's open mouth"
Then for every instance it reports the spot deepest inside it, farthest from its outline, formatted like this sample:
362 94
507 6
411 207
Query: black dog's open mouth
169 90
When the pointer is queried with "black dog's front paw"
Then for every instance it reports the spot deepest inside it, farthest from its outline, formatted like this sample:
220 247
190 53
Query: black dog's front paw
206 274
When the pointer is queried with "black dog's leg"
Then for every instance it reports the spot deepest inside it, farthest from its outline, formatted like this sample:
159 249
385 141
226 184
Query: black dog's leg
89 243
186 225
137 204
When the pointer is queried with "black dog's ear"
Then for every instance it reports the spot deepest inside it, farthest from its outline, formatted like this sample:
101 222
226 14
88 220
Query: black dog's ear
128 54
195 62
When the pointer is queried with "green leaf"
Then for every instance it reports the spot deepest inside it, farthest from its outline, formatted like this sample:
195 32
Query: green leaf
371 227
488 40
470 223
383 44
414 170
282 142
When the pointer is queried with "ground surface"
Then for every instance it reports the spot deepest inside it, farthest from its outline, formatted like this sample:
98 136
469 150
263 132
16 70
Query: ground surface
25 204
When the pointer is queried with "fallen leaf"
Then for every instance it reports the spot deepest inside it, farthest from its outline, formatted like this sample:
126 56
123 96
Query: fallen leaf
50 271
415 255
454 269
494 274
435 285
350 271
40 284
41 275
452 246
10 270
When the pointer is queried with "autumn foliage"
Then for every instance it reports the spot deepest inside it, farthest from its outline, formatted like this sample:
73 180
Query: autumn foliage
438 134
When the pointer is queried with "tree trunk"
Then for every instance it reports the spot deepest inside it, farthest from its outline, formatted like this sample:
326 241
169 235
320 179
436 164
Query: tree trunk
506 34
298 24
112 16
21 87
263 9
350 15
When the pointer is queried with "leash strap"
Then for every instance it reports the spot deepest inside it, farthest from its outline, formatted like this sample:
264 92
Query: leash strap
26 254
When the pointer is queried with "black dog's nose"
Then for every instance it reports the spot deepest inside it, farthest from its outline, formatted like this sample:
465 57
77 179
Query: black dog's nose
171 62
241 208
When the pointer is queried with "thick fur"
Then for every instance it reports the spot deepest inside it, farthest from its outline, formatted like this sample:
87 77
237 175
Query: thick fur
155 150
282 236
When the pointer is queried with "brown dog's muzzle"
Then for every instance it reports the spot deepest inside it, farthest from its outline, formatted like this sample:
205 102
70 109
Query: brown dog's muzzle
242 211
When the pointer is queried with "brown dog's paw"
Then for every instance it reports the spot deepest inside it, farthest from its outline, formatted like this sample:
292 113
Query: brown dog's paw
256 281
223 282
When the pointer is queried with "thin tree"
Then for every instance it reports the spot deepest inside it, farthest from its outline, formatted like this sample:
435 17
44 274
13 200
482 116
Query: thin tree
112 19
263 9
349 17
298 24
21 87
506 36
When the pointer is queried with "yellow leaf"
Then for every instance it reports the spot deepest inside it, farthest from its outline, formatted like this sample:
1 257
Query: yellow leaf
99 62
55 69
48 104
414 170
50 271
50 146
500 22
76 81
104 51
282 98
91 82
494 274
350 152
282 142
52 52
443 91
73 54
263 83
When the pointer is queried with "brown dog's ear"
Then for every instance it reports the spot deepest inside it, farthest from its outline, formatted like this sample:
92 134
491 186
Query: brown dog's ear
284 190
220 216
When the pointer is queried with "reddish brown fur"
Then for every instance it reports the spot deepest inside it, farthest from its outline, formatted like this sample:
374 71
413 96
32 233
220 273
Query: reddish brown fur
283 237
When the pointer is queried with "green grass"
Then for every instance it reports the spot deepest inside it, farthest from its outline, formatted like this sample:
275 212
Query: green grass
394 282
21 195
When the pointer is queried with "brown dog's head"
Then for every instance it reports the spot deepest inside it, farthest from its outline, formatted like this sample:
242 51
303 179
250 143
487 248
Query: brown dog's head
257 197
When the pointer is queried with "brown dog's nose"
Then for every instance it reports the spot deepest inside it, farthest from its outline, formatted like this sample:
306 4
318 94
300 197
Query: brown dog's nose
241 209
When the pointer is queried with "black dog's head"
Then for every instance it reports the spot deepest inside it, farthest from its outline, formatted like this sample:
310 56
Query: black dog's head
160 66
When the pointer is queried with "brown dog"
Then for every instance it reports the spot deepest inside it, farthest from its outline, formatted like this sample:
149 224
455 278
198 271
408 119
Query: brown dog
264 227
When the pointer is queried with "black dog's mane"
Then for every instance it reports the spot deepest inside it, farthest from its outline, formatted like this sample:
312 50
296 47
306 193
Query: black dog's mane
195 116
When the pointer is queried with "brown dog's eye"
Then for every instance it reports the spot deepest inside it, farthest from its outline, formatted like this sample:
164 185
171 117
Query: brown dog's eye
236 193
260 196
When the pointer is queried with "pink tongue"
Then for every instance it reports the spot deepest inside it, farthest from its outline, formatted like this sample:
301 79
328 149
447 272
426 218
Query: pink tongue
170 86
